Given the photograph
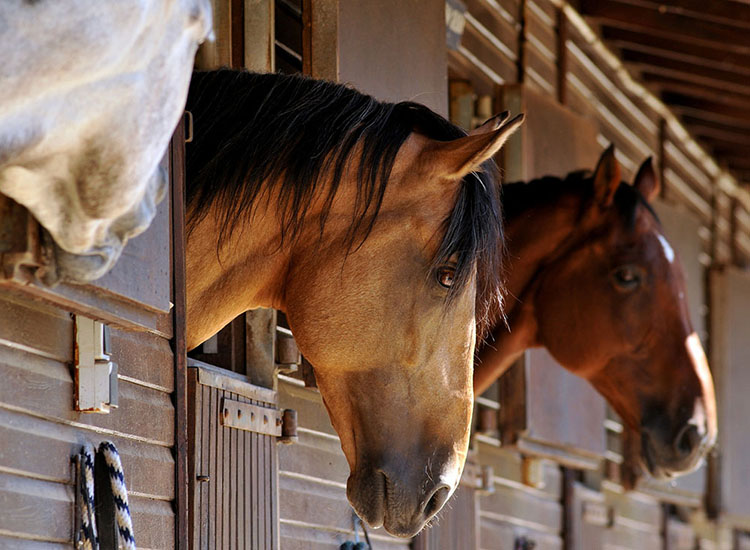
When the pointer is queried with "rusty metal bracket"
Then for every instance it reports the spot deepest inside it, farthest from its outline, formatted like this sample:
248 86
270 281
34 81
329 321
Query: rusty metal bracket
251 418
289 427
21 251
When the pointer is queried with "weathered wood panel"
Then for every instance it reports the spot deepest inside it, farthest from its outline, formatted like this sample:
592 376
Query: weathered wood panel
234 472
40 431
730 356
516 510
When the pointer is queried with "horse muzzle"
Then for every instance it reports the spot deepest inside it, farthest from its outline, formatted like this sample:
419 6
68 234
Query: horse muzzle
668 455
393 499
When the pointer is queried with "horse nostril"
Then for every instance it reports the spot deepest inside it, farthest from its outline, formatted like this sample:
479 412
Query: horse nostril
688 440
436 500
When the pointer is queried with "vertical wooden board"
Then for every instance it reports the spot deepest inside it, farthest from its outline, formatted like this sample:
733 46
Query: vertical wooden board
730 350
377 45
587 519
227 434
563 409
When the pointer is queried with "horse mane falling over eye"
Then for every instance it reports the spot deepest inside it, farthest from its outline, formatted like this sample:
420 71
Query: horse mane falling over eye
255 133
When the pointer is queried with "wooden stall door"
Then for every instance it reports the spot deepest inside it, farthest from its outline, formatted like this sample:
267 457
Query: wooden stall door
234 466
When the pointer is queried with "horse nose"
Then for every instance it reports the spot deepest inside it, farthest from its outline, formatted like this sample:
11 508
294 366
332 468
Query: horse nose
689 441
407 508
435 501
402 501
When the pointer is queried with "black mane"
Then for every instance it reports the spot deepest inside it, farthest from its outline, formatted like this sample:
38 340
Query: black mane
520 196
257 130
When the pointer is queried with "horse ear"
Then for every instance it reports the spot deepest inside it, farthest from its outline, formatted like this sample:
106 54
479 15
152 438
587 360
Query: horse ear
491 124
646 181
459 157
606 177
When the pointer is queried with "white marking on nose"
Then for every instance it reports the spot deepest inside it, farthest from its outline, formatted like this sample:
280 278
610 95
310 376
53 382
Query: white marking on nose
668 252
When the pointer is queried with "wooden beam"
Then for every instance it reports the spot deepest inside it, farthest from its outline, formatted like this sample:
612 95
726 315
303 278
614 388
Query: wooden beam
688 71
521 62
731 111
726 13
672 25
717 58
662 83
715 129
562 57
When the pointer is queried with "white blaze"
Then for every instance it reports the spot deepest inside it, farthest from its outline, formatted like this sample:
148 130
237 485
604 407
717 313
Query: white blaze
668 252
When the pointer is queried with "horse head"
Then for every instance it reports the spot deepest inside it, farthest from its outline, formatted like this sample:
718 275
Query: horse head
390 332
388 264
612 308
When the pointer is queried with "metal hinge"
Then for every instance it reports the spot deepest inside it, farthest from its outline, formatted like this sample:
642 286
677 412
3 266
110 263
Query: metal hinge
95 373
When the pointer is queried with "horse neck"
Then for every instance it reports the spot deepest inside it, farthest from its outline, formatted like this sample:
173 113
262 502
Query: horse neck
246 272
537 228
539 221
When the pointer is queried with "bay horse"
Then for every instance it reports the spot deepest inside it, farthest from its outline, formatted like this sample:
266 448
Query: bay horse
376 228
592 278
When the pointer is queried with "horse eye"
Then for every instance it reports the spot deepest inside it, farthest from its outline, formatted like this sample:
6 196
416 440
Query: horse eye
445 276
626 277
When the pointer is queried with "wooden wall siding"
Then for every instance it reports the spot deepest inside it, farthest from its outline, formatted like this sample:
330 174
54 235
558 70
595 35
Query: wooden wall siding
730 355
636 522
515 509
456 526
314 513
40 432
489 55
237 506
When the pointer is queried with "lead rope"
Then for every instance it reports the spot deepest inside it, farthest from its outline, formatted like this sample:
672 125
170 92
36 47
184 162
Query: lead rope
357 545
120 494
87 537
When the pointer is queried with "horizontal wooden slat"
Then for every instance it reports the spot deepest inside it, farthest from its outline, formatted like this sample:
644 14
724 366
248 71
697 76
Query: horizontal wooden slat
36 509
37 328
143 357
35 448
45 389
12 543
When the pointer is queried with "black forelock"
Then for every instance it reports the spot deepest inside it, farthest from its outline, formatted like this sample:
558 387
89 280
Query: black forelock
257 131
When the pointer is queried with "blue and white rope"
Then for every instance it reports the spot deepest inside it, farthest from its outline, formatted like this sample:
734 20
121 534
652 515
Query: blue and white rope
120 492
87 538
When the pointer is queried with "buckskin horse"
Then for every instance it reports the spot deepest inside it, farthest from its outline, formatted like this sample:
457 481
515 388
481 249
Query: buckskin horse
376 228
592 278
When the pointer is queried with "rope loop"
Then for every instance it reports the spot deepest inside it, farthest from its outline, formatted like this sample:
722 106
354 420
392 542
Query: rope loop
94 504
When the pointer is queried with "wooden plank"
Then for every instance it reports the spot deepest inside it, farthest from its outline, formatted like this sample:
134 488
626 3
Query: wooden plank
49 394
673 25
678 49
144 357
36 509
33 447
691 72
153 522
10 543
508 504
222 379
34 327
179 340
142 274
